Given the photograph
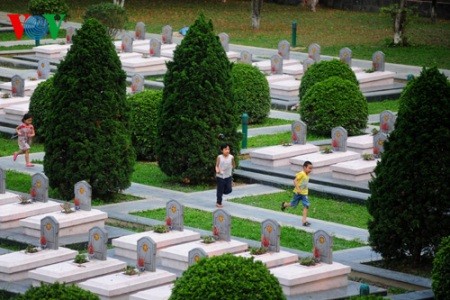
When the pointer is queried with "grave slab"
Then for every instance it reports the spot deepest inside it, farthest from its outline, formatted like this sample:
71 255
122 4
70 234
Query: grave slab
29 87
127 55
158 293
295 70
296 279
233 56
118 286
11 214
273 259
321 161
285 88
176 257
374 79
69 224
8 102
53 51
136 43
354 170
71 272
361 144
14 266
16 110
278 77
265 66
8 198
140 64
125 246
275 156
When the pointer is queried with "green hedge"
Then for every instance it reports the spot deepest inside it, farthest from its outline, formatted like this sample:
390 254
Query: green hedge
40 7
39 106
59 291
441 270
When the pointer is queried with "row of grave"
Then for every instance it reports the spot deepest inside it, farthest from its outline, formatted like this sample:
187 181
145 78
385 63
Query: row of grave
175 248
350 158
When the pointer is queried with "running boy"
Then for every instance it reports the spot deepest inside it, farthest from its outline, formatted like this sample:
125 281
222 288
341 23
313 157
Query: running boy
224 169
301 191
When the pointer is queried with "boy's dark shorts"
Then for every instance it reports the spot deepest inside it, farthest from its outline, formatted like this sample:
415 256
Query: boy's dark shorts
297 198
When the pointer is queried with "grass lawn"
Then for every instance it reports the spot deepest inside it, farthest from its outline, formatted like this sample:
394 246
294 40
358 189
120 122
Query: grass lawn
290 237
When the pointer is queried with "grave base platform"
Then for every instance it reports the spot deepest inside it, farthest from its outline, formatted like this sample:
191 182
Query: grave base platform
14 266
53 51
126 246
11 214
8 198
286 88
118 286
296 279
176 257
378 78
265 66
158 293
74 223
273 259
355 170
321 161
140 64
8 105
275 156
71 272
362 144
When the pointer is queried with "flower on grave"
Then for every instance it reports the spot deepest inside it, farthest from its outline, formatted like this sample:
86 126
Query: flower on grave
163 38
169 222
43 241
138 33
90 249
76 202
375 66
152 51
68 39
384 127
13 90
335 143
294 137
141 264
215 231
316 254
39 73
122 47
273 69
265 241
33 193
133 88
376 151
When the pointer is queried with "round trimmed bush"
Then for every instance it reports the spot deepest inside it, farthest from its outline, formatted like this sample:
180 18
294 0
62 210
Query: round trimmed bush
441 270
111 15
227 277
40 7
39 105
144 115
334 102
324 70
59 291
251 92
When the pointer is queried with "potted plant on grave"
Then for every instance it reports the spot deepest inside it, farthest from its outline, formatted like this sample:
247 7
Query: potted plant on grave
160 228
25 200
327 150
368 156
80 258
208 239
130 270
66 208
43 242
169 223
141 264
31 249
76 203
90 251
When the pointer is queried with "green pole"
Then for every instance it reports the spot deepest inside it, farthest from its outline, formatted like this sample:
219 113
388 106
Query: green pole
294 34
244 130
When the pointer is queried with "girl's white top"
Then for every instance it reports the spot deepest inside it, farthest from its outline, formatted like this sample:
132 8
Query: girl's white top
225 166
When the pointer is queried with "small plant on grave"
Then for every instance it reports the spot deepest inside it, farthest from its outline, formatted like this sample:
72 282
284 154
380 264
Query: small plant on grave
43 242
368 156
374 131
66 208
160 228
25 200
371 70
307 261
286 144
80 258
6 95
31 249
258 250
130 270
32 78
327 150
208 239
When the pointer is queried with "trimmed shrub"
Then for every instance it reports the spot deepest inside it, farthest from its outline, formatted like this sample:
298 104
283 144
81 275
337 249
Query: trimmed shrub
39 106
89 137
60 291
324 70
144 116
441 270
227 277
409 200
40 7
334 102
197 107
112 16
251 92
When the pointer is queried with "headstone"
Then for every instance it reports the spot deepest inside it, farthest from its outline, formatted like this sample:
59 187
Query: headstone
276 64
246 57
222 225
195 255
224 40
146 254
97 243
378 61
339 139
49 233
284 49
298 130
175 215
2 181
323 242
139 31
387 121
167 34
155 47
39 187
43 69
83 192
70 31
17 86
307 63
127 43
137 83
314 52
345 55
270 235
378 143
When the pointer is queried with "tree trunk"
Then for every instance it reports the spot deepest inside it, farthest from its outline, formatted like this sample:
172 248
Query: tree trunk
256 13
119 2
399 24
433 11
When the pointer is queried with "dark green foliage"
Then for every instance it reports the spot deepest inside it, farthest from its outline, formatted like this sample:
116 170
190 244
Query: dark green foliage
88 135
39 106
40 7
251 92
227 277
60 291
409 200
197 107
324 70
144 116
441 270
113 16
334 102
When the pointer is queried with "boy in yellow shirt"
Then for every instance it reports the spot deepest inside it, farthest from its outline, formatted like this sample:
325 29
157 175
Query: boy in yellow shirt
301 191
